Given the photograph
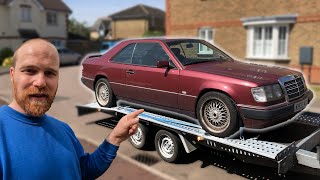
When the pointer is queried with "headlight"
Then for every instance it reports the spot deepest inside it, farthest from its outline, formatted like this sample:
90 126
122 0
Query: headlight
267 93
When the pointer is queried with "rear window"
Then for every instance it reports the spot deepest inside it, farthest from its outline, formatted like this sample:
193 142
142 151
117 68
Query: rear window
125 55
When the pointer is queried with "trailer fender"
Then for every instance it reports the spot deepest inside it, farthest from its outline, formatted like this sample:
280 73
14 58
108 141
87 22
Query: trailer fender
188 147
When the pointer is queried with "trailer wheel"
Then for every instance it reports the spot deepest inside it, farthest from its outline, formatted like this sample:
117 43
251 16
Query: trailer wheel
104 93
168 146
139 140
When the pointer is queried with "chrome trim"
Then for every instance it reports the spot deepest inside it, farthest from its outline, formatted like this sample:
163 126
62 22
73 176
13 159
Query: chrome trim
264 107
285 103
87 78
153 89
284 79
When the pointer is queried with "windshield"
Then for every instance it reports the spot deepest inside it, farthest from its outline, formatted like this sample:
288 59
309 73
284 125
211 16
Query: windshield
196 51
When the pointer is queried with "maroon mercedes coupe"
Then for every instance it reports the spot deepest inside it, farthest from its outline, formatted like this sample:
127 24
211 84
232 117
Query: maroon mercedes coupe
194 78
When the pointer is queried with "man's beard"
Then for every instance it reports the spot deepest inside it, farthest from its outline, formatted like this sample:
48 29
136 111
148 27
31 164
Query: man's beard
31 106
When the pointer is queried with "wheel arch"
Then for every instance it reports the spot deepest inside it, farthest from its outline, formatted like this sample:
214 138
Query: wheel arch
99 76
204 91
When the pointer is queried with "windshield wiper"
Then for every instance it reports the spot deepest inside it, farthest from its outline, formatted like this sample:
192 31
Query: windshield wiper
197 62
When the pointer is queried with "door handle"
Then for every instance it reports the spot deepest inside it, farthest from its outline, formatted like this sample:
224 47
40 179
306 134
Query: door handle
130 71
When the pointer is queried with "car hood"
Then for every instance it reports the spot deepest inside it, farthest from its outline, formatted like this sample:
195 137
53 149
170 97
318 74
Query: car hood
240 70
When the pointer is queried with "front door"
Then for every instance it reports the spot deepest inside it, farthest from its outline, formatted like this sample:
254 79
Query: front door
147 83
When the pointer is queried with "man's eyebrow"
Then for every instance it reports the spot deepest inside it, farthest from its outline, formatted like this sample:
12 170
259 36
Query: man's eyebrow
29 66
36 67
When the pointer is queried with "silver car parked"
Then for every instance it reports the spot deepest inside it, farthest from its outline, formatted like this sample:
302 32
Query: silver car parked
68 56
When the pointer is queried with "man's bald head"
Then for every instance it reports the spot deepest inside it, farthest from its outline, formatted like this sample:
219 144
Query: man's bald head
34 77
34 47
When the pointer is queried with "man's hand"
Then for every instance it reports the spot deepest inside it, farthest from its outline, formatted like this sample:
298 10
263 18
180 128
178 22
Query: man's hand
126 126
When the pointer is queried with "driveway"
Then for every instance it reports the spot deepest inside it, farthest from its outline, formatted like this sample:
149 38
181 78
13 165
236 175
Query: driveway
198 165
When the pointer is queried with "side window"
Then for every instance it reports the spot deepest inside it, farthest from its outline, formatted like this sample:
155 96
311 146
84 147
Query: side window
148 54
124 56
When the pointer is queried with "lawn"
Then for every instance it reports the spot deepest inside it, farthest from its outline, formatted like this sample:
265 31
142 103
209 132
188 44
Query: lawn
316 90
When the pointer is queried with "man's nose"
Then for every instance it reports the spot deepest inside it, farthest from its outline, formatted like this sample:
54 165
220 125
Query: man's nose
40 80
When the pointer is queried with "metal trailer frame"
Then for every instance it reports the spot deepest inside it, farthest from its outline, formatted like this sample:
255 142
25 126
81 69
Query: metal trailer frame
281 155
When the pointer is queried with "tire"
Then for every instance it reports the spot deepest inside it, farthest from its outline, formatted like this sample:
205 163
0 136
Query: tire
104 94
169 146
217 114
140 139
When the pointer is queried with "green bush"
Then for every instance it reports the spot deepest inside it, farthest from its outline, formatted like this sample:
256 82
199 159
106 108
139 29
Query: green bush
4 53
7 62
153 33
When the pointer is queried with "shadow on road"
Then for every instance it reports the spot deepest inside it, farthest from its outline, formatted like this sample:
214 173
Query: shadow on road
234 166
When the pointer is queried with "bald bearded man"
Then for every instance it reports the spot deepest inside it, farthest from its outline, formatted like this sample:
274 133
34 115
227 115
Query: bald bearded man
34 145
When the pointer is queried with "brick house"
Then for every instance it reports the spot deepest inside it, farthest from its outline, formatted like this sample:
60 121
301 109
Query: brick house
261 31
23 20
135 21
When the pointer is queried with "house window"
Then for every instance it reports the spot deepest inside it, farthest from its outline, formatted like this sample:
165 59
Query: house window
283 41
25 13
56 43
270 42
52 18
267 37
102 30
207 35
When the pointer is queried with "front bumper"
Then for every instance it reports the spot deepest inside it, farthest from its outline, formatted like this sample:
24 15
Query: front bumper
274 114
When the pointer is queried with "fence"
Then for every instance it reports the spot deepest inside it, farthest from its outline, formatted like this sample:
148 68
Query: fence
311 73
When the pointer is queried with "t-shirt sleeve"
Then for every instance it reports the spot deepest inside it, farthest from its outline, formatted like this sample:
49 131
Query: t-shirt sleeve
95 164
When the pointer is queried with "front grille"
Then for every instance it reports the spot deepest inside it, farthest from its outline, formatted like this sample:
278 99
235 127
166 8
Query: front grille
294 88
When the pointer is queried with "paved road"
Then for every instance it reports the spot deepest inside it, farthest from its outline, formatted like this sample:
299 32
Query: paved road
198 165
121 169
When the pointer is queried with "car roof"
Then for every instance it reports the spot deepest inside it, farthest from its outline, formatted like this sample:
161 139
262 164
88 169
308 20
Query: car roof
163 39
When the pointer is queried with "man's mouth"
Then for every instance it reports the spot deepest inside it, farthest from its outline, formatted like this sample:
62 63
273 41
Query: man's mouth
38 96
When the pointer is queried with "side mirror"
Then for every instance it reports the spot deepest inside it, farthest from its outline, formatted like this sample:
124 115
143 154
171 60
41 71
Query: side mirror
162 64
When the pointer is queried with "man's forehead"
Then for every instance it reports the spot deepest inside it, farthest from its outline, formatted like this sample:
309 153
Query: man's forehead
40 48
42 52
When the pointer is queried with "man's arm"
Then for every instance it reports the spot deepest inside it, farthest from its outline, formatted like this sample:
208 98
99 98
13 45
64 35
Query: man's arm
94 165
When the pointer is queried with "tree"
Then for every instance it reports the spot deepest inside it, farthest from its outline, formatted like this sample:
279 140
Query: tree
4 53
78 29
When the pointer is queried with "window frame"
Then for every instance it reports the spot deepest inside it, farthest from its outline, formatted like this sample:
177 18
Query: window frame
207 31
57 43
275 42
114 56
25 13
52 18
276 22
146 65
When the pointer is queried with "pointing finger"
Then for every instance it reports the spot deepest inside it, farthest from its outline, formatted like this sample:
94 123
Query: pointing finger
135 113
133 121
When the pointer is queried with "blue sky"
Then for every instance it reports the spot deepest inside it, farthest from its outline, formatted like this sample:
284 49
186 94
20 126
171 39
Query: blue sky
89 10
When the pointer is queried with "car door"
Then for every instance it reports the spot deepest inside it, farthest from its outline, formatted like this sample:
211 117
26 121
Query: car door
147 83
116 71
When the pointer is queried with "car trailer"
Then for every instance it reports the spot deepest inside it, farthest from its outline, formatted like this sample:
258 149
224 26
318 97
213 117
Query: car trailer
173 138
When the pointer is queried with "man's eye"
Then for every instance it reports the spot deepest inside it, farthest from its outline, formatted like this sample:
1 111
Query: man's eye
29 71
49 73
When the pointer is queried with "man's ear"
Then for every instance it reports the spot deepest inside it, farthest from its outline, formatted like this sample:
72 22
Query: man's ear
11 73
